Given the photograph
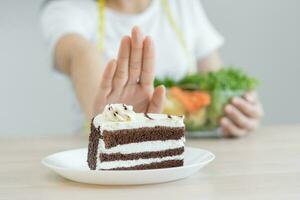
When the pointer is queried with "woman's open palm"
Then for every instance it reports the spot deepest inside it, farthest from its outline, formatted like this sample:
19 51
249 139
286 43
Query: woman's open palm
129 79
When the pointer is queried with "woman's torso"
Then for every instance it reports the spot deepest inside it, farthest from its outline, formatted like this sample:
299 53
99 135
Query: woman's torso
82 16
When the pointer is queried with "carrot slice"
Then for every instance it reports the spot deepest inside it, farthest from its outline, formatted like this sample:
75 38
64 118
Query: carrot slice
203 98
183 98
191 100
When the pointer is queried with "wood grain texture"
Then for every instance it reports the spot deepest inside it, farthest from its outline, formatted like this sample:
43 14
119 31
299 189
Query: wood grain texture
263 165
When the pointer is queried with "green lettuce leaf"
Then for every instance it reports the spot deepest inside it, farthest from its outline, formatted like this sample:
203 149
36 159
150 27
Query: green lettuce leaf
230 78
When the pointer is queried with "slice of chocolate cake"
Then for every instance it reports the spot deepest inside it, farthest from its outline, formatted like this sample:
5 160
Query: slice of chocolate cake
121 139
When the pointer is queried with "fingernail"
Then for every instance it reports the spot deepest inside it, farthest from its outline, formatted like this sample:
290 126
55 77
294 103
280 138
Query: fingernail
137 35
223 121
113 62
149 40
163 87
249 97
228 108
135 29
235 100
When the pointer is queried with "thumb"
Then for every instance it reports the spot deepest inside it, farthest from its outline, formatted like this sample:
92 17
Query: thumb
105 87
157 100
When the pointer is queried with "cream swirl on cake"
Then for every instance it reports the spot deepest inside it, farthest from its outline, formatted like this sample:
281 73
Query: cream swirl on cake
118 112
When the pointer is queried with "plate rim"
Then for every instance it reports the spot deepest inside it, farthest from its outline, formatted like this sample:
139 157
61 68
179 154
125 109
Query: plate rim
44 162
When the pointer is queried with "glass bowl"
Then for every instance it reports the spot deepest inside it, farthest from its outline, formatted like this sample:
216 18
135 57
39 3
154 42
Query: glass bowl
203 121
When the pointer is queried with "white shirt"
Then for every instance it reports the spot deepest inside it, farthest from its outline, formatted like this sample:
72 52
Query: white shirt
61 17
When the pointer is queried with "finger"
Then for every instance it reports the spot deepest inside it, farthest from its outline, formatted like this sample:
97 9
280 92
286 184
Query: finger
147 74
107 77
121 75
239 118
231 129
249 109
135 61
157 100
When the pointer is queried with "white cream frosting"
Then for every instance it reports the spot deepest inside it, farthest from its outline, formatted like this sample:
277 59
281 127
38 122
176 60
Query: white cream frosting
131 163
121 116
118 113
140 147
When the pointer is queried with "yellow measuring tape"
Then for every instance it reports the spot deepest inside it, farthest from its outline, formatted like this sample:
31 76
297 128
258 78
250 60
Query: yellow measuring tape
170 16
179 34
101 31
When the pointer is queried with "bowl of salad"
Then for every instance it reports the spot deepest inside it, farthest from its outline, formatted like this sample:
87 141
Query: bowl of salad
201 97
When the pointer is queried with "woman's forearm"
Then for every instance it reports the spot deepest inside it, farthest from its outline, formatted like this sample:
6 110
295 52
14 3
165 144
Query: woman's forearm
80 60
86 74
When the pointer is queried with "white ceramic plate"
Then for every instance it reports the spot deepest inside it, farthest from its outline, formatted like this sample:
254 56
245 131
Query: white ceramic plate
72 165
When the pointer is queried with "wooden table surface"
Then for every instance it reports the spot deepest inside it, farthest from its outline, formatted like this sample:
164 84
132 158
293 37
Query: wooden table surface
264 165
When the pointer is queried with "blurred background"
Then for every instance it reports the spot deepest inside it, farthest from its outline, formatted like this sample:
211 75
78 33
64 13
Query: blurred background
261 36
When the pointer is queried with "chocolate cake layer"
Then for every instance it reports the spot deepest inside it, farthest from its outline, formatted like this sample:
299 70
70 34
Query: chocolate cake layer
93 147
164 164
142 155
126 136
